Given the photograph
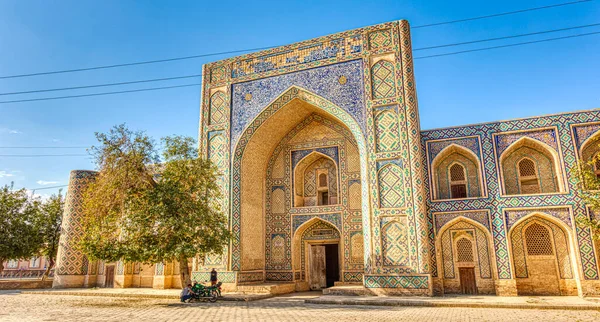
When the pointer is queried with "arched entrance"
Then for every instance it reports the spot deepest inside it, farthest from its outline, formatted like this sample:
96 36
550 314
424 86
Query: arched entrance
316 252
268 204
466 258
541 253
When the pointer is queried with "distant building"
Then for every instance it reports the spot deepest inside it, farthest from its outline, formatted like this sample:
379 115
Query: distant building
329 179
32 268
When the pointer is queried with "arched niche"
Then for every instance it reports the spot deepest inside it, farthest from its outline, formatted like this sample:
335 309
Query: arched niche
547 165
450 259
443 184
542 253
316 181
251 156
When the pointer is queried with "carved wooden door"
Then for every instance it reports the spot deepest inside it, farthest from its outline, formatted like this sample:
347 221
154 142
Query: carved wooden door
110 276
467 280
318 269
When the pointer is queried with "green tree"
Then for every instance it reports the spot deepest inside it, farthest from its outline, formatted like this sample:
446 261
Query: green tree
19 233
588 184
49 222
142 210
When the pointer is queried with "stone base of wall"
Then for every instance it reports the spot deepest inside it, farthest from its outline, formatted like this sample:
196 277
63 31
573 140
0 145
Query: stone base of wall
590 288
24 284
68 281
506 287
161 282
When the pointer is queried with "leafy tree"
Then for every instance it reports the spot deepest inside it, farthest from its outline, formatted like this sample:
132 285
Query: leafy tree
141 210
49 221
19 233
589 190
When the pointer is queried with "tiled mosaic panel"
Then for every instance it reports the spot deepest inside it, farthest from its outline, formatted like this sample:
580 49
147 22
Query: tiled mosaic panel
386 130
225 277
218 112
394 243
380 38
337 48
322 81
353 277
71 260
391 182
494 203
409 282
382 79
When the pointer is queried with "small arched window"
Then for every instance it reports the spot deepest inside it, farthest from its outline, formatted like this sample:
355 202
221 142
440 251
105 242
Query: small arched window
528 178
464 250
537 238
458 181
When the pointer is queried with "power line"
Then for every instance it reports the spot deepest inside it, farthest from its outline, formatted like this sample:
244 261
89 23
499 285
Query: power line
97 94
269 47
200 75
44 147
101 85
501 14
502 38
53 187
42 155
136 63
511 45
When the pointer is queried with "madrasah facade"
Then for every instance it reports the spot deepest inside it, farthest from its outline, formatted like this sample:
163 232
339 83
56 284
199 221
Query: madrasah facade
329 180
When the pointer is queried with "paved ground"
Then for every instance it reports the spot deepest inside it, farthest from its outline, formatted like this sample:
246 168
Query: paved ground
36 307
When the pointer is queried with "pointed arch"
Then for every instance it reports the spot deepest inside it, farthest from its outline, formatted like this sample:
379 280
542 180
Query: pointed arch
251 153
588 143
532 254
441 176
447 253
590 150
546 158
306 184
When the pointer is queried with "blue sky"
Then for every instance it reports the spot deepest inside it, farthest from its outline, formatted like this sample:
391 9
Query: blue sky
471 88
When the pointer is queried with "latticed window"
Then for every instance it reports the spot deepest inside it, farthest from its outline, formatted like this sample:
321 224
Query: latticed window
537 238
322 180
528 177
458 183
464 250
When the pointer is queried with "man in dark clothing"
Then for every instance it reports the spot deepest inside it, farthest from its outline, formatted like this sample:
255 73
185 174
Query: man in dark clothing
213 277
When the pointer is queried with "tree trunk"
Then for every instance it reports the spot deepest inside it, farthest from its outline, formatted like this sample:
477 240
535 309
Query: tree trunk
184 272
50 266
1 265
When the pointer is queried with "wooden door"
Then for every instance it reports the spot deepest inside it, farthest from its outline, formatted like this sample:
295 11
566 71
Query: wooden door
318 269
110 276
467 280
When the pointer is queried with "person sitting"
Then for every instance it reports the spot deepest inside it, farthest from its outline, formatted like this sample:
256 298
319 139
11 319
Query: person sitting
186 293
213 277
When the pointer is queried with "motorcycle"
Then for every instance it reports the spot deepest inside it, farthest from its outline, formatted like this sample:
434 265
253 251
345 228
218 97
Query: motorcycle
210 293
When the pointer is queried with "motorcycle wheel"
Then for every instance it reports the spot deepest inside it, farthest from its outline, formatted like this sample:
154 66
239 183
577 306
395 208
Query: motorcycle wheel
213 297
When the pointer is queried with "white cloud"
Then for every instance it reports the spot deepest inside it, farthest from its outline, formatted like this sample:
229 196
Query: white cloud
55 140
44 183
10 131
41 196
5 174
14 132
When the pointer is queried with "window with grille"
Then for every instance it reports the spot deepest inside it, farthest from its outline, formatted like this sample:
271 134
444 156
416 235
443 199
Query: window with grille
458 183
528 177
464 250
537 238
322 180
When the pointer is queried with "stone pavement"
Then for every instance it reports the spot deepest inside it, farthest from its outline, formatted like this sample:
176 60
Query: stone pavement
142 293
16 306
474 301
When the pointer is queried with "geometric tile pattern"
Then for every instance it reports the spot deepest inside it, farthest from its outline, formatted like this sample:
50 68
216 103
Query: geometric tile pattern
383 79
217 108
408 282
70 260
394 241
386 127
391 192
556 132
380 38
